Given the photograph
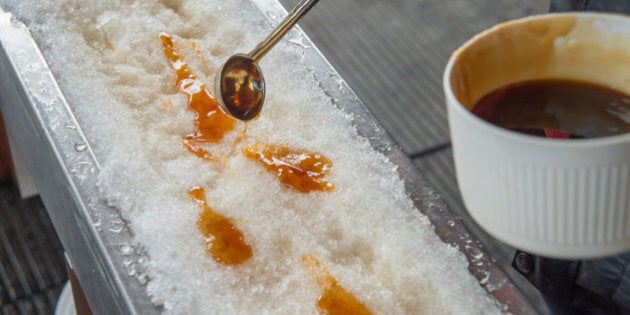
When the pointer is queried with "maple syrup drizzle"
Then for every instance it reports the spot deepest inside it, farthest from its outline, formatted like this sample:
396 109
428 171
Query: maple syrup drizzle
224 241
211 123
300 170
334 299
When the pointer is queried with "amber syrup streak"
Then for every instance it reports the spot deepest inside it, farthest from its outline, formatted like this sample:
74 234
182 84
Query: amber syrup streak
299 170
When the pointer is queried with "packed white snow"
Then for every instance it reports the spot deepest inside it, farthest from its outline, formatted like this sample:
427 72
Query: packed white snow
110 64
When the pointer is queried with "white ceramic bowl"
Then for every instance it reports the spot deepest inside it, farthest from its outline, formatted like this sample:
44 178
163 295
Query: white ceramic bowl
560 199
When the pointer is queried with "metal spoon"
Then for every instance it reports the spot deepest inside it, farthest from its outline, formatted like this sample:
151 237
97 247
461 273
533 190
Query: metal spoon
239 84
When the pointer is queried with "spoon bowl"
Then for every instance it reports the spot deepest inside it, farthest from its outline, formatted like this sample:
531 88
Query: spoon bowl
239 84
240 87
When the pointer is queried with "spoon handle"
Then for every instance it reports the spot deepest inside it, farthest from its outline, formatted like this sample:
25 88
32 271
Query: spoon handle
294 16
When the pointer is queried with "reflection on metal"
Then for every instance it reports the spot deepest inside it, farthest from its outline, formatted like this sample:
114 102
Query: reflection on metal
36 115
